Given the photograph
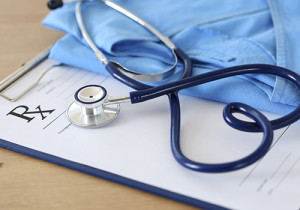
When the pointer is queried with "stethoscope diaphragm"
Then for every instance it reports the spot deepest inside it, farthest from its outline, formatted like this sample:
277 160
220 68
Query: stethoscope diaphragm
89 108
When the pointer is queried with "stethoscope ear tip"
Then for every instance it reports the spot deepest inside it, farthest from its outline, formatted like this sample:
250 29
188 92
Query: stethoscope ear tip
54 4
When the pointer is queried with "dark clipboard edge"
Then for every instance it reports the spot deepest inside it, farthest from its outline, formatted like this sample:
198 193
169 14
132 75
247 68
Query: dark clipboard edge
107 175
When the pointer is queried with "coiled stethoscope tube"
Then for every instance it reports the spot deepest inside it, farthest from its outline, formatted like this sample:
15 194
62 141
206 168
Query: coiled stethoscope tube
262 124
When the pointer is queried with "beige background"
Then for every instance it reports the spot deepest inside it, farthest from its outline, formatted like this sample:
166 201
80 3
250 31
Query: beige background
28 183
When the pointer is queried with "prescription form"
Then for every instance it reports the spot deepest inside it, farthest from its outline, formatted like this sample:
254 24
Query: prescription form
137 144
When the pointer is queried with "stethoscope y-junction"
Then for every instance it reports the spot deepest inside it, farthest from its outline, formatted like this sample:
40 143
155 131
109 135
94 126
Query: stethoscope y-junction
94 108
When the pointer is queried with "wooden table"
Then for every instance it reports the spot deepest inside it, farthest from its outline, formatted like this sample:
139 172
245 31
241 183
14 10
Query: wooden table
29 183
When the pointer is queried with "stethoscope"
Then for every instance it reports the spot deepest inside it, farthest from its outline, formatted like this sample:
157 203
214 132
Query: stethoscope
94 108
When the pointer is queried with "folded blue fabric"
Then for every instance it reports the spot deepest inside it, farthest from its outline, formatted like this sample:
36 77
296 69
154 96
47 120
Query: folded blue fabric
215 34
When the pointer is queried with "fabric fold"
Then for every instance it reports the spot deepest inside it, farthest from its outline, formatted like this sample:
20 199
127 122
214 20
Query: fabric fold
234 33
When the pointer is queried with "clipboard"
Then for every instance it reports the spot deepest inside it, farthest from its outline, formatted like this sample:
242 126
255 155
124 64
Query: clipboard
164 176
23 74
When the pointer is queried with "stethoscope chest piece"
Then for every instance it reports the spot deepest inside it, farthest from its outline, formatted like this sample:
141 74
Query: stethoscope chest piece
89 108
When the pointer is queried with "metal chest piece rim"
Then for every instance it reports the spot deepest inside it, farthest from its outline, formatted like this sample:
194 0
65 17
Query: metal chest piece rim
89 109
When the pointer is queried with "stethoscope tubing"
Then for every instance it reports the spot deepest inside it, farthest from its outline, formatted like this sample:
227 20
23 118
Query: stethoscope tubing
116 71
257 154
148 94
262 124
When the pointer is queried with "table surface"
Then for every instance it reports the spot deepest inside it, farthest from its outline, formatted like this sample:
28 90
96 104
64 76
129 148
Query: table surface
29 183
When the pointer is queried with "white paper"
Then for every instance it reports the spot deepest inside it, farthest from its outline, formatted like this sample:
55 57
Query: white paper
137 144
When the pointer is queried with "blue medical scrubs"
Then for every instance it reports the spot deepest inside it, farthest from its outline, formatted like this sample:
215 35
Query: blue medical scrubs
214 33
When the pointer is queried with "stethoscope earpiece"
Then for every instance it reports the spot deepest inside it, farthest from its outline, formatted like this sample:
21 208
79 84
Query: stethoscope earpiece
54 4
89 108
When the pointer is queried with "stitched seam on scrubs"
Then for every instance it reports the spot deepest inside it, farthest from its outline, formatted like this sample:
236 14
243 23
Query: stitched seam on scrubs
263 48
248 40
205 22
229 59
250 80
280 49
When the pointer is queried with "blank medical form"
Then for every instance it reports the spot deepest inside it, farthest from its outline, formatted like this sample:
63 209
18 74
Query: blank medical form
137 145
